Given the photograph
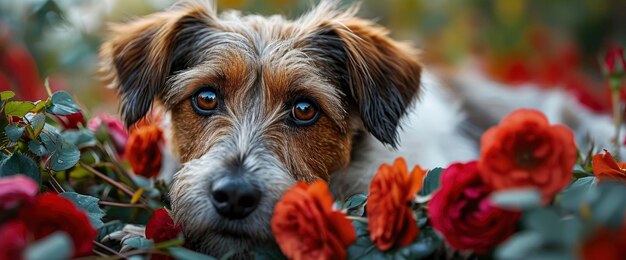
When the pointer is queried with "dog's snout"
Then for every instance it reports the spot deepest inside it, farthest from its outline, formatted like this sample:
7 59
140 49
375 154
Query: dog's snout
234 197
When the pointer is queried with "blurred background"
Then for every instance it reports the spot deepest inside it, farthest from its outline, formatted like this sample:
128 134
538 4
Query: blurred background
551 44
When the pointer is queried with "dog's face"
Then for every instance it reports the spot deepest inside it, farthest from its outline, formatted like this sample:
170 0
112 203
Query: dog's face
257 103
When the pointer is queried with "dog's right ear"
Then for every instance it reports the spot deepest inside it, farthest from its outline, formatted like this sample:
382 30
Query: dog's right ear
140 55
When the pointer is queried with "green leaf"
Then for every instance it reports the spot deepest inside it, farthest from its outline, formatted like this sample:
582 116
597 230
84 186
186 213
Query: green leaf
181 253
37 148
138 242
109 228
37 122
432 181
14 132
62 104
427 242
519 246
80 174
18 163
18 108
577 193
6 95
62 155
55 246
355 201
355 204
80 138
40 105
608 207
516 199
88 204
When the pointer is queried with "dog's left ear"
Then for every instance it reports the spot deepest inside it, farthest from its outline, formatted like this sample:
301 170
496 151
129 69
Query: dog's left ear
383 74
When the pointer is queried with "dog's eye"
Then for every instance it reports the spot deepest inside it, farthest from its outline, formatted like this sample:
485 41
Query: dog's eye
205 101
304 112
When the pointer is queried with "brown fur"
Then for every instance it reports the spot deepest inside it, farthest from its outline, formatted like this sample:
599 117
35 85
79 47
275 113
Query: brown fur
362 80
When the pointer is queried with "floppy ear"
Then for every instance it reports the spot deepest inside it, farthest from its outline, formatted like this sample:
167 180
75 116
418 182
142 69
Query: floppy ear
140 55
384 76
381 75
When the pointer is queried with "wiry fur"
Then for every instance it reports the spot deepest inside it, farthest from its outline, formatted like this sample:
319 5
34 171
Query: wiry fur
363 81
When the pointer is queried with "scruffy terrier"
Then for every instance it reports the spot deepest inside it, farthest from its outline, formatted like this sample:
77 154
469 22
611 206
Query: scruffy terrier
257 103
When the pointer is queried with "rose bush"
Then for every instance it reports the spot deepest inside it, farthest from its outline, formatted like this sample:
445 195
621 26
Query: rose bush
526 186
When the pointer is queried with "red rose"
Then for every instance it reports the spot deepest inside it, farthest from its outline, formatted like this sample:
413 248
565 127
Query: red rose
606 168
15 191
115 129
605 244
389 216
161 227
306 227
52 213
614 63
461 211
71 121
13 239
524 150
143 150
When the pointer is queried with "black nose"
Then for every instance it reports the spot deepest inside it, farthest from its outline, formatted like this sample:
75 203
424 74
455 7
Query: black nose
234 197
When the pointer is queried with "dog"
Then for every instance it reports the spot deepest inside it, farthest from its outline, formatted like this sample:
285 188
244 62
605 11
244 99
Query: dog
257 103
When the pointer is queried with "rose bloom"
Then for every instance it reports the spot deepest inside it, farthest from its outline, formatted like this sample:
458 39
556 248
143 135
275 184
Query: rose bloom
71 121
51 213
306 227
614 63
15 191
605 244
143 150
13 239
390 218
606 168
161 227
524 150
115 129
462 212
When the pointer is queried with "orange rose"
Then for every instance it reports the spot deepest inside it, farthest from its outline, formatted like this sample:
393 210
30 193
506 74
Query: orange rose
390 219
306 227
143 149
606 168
524 150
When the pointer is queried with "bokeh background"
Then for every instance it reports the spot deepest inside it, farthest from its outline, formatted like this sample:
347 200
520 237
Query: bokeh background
551 44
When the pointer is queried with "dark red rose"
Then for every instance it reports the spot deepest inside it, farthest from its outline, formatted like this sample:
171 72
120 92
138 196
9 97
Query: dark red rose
15 191
161 227
614 63
71 121
13 239
462 212
51 213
